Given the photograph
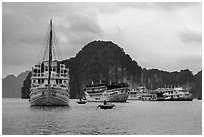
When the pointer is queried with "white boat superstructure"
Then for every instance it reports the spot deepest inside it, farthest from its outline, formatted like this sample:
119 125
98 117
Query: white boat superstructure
136 94
50 80
175 94
108 92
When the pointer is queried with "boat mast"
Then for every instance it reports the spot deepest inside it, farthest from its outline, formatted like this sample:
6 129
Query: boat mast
122 71
116 70
107 71
50 51
142 79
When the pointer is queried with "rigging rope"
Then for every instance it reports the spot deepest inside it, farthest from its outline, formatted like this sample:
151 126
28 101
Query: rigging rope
54 55
42 46
55 48
46 51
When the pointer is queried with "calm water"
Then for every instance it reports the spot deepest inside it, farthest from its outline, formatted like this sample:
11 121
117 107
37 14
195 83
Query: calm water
134 117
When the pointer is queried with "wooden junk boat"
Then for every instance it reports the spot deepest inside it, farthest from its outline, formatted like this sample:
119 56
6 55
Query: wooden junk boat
50 79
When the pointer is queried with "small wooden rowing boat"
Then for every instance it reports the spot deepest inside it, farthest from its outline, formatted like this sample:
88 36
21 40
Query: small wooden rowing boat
82 101
107 106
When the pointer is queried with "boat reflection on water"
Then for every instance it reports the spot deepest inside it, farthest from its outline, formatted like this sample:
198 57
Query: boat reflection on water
49 108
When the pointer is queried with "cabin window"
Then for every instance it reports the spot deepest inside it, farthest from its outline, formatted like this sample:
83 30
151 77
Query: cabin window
40 81
60 81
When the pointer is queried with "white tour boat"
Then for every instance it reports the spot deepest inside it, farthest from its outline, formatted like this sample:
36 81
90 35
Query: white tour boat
103 91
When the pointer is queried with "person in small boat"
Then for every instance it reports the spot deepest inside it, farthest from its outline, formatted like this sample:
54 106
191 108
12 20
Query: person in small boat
105 102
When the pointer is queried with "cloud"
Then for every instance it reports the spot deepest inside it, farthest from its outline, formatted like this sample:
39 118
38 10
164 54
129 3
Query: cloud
190 36
172 6
83 23
145 30
80 28
195 61
27 23
36 10
20 28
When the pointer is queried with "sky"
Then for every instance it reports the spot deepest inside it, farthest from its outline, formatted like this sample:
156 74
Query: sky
165 36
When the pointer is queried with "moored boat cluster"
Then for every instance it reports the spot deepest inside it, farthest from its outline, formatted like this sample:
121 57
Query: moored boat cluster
160 94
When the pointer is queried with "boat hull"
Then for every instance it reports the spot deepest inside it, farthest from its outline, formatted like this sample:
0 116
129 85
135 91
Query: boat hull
49 97
122 97
81 102
135 97
179 99
173 99
106 106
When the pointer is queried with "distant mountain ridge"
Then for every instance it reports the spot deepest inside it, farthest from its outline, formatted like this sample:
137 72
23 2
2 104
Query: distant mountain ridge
11 85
